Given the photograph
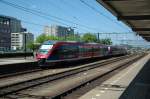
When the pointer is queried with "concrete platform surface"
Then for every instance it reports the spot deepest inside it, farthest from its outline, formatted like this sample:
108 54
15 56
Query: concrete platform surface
5 61
117 84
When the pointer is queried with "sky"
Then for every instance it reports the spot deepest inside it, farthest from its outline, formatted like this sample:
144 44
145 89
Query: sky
36 14
83 17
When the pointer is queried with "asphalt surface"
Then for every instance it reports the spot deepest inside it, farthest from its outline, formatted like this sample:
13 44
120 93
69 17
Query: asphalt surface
4 61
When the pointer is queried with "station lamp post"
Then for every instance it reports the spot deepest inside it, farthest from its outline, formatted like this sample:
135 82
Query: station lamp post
25 42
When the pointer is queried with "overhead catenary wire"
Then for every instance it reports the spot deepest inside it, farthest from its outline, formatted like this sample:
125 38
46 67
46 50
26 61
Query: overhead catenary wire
45 15
42 25
75 7
60 8
97 11
69 5
73 16
30 11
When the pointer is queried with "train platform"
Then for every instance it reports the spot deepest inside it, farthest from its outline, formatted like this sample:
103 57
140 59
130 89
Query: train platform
14 65
7 61
130 83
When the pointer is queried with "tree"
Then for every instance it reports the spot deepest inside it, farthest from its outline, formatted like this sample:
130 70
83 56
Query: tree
106 41
41 38
52 38
73 38
88 37
32 46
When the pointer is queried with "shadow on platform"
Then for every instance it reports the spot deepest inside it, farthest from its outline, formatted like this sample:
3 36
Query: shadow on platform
140 86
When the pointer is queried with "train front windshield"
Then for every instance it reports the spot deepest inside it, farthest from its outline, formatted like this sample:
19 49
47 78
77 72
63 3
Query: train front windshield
44 49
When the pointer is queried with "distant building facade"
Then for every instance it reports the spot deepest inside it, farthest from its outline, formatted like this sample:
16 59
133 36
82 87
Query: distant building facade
7 26
5 33
59 31
18 40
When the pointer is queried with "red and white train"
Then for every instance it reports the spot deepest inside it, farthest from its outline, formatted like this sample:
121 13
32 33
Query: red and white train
60 51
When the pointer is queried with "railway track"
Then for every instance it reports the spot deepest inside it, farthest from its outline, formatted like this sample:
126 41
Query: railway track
22 71
5 75
20 88
42 73
19 73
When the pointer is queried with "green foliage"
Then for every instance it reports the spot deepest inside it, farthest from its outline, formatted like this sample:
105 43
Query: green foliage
106 41
72 38
88 37
33 46
30 45
41 38
52 38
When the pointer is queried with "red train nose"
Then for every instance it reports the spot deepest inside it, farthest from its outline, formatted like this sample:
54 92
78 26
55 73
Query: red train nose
40 56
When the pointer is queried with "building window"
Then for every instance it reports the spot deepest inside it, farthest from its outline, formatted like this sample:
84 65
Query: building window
7 22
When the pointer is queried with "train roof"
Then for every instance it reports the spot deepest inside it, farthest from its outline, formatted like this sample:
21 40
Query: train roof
50 42
54 42
72 42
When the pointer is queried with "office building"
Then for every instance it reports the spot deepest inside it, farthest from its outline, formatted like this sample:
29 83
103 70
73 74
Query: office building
7 26
18 40
59 31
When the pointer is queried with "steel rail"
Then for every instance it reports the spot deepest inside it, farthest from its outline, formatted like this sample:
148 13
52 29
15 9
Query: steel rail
28 71
5 90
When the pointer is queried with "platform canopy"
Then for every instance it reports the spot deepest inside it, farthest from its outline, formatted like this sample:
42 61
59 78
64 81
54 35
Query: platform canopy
134 13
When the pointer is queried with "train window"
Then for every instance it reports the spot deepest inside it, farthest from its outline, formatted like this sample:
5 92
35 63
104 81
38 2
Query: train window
73 49
81 49
62 49
96 49
44 49
68 48
67 51
89 49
